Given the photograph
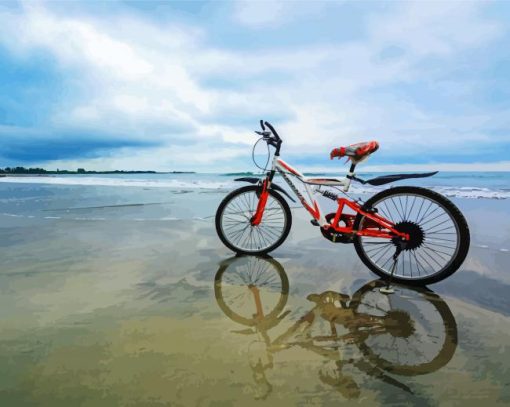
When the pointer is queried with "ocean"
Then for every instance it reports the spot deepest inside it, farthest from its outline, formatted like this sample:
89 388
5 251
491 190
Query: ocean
187 196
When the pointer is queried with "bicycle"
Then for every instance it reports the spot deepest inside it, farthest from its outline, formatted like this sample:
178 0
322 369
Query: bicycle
410 234
390 332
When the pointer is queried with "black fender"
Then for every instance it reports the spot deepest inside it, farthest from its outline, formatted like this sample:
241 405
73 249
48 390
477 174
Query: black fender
386 179
253 180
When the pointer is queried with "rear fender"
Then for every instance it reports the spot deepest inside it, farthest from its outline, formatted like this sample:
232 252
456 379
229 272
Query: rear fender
253 180
386 179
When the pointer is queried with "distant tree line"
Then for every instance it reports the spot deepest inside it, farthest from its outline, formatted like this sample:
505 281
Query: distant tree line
23 170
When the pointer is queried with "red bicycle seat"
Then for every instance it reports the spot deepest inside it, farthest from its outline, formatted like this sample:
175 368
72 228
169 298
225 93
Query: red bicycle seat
355 152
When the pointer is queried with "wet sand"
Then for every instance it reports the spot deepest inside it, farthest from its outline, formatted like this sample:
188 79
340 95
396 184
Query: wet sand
119 312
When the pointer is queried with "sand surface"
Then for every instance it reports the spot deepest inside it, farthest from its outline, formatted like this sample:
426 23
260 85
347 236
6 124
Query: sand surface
123 312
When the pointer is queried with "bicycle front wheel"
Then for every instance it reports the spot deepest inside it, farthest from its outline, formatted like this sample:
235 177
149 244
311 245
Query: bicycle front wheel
251 290
439 236
233 221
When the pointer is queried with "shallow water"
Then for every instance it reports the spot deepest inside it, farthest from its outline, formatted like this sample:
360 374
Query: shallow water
473 185
120 311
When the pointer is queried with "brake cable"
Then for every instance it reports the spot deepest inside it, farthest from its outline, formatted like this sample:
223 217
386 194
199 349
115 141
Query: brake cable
253 155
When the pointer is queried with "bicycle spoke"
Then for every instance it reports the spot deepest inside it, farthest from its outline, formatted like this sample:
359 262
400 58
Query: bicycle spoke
430 257
412 206
402 208
434 218
432 251
399 214
390 217
236 222
425 212
405 209
374 251
428 215
432 242
421 206
437 252
387 249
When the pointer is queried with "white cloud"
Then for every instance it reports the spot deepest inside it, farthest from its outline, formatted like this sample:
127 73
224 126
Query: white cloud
336 166
259 13
267 13
138 79
433 28
173 158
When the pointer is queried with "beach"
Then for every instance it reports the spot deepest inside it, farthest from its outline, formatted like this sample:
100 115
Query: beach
115 291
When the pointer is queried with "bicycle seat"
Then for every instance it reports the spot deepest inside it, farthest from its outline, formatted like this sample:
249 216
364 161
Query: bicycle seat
356 152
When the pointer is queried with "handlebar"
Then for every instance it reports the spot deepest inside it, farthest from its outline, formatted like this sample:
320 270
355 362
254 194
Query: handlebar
272 130
271 137
266 134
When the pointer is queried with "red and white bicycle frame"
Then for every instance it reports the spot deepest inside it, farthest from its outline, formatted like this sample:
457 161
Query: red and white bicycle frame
374 225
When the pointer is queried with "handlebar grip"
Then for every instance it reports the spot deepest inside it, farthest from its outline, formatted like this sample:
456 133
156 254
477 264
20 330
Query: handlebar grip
262 125
272 129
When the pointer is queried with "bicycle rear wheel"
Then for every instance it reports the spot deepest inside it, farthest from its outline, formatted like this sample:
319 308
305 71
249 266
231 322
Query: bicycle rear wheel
439 236
419 334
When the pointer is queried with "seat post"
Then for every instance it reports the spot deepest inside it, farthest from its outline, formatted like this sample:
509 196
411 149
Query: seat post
350 174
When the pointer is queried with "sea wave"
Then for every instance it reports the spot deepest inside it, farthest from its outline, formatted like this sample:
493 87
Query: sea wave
121 182
238 174
451 192
222 185
473 192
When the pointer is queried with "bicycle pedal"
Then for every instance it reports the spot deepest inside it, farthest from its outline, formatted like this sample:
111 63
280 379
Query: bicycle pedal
314 222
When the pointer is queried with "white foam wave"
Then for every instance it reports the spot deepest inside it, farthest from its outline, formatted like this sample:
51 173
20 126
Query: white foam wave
215 185
472 192
451 192
120 182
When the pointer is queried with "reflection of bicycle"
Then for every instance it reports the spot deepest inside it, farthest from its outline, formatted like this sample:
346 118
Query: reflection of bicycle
412 234
412 332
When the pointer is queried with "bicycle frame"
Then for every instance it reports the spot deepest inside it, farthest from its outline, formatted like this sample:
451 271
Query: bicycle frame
377 227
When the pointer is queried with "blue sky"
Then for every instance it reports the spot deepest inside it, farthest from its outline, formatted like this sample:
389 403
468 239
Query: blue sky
181 85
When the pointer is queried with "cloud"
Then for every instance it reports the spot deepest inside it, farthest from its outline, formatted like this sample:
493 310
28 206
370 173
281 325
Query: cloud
179 93
20 145
433 28
497 166
266 14
163 158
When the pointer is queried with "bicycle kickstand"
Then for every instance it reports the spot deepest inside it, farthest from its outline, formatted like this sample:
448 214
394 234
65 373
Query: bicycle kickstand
388 289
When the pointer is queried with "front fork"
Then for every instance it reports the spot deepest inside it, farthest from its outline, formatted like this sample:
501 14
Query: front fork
257 217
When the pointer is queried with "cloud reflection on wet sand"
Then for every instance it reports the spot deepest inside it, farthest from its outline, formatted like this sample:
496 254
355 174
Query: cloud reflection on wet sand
126 314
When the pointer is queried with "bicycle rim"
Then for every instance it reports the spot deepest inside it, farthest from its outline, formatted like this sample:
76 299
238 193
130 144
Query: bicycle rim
236 280
434 237
236 227
423 344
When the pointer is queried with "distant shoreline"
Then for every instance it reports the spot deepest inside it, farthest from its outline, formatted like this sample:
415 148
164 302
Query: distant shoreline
39 174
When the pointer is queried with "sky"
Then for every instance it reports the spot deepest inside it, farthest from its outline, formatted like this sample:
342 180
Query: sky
182 85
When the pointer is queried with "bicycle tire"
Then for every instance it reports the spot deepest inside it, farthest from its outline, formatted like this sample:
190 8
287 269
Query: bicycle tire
234 316
448 347
457 219
219 220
